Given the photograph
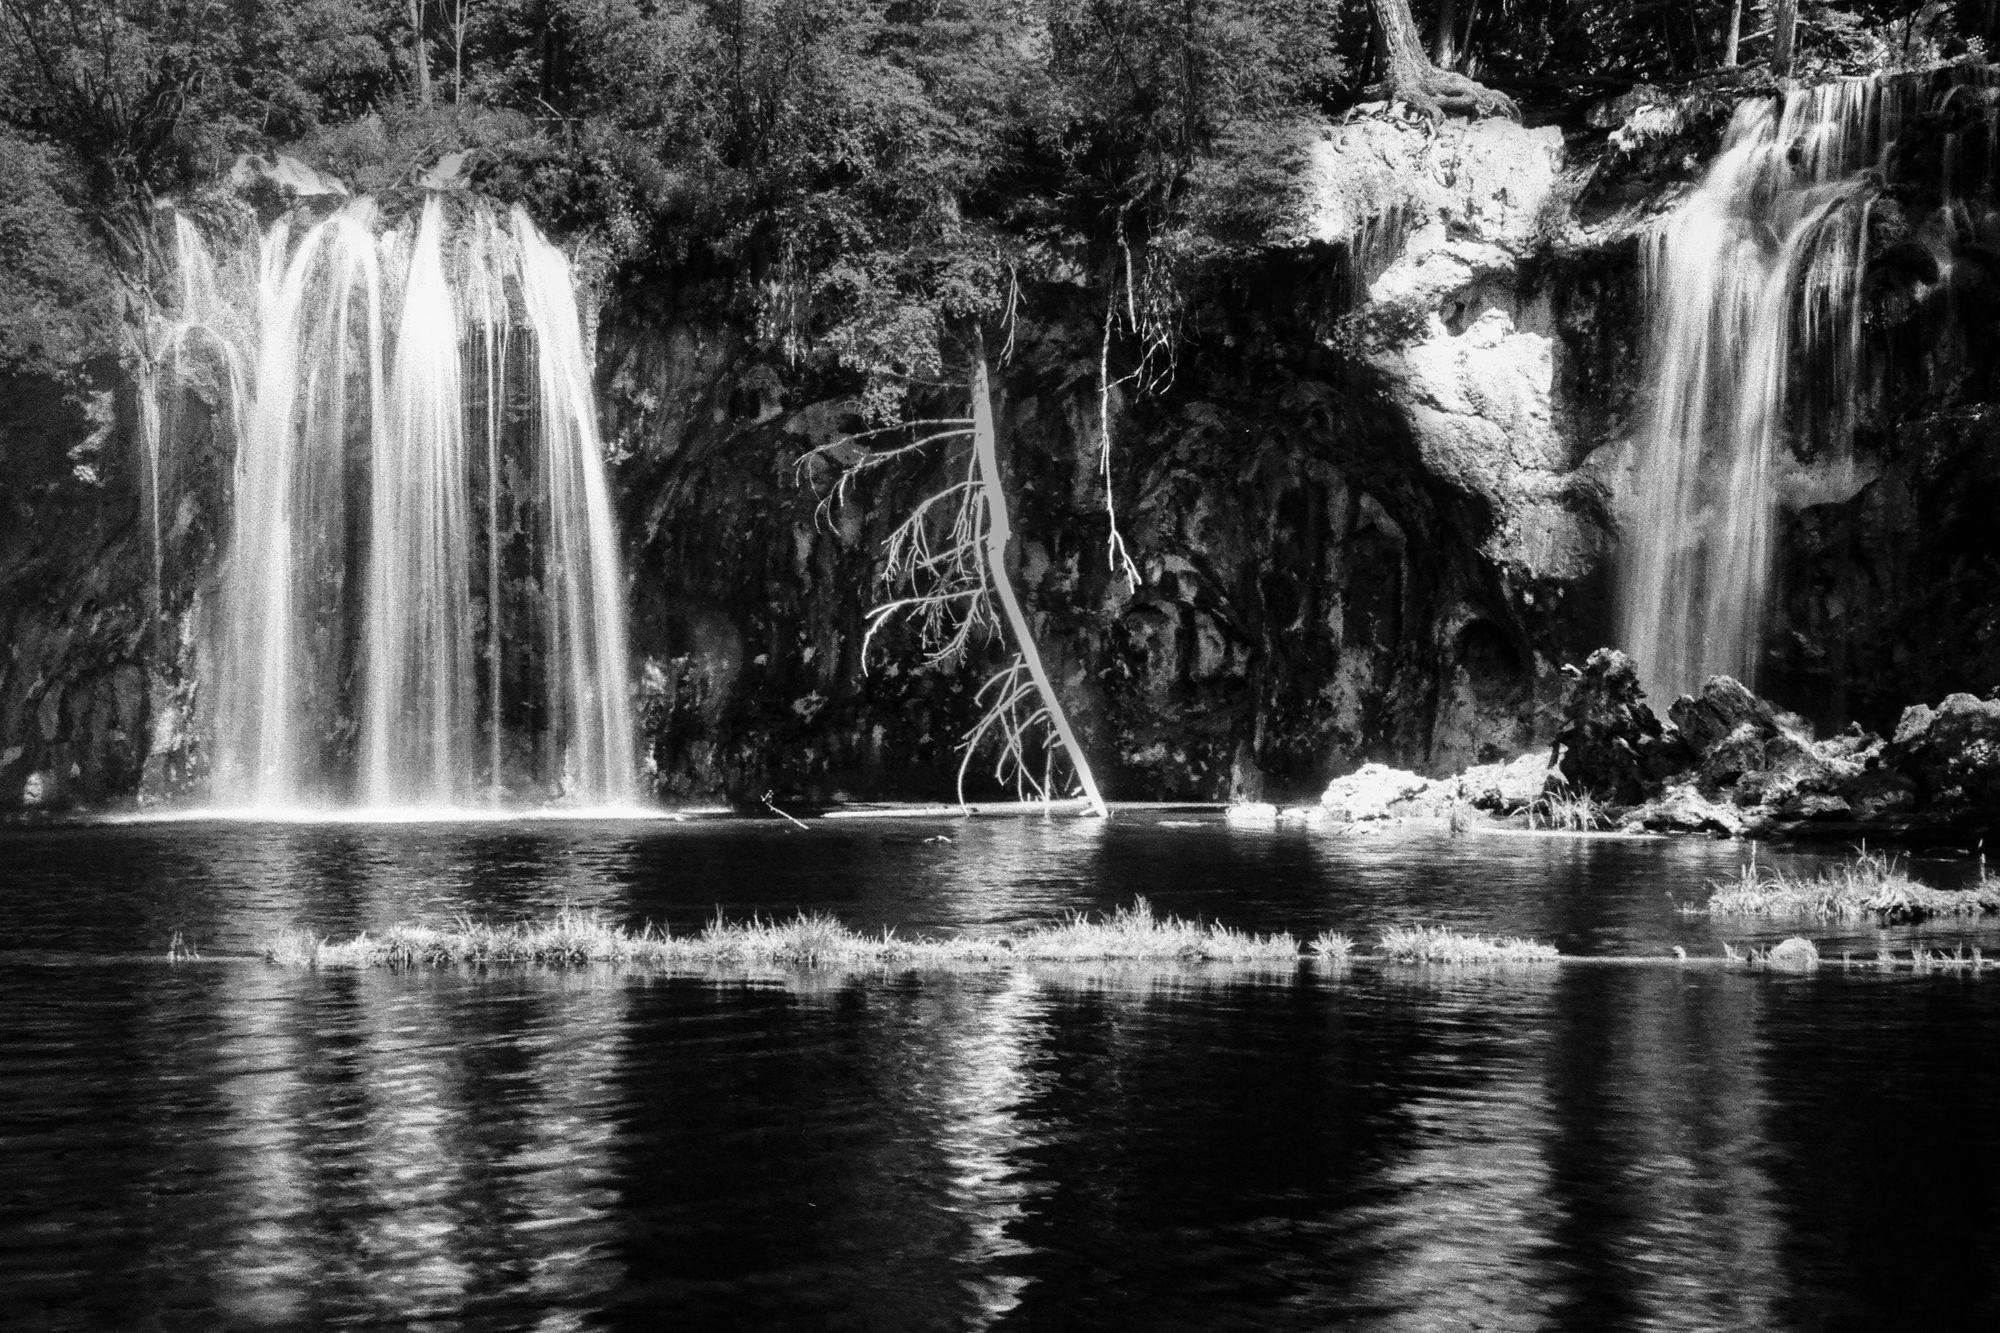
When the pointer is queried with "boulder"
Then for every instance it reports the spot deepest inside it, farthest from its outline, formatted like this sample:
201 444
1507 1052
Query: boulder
1813 805
1376 791
1722 709
1951 754
1506 788
1618 112
1611 744
1682 808
1796 954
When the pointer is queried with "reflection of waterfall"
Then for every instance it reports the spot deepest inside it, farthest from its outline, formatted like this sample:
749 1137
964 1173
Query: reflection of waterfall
420 598
1755 330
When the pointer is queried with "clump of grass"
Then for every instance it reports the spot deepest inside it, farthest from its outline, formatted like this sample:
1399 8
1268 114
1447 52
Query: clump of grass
1136 933
1439 946
1872 885
1331 945
1937 960
575 938
1568 809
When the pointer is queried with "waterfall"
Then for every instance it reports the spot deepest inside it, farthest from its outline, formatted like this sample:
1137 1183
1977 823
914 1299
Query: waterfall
1753 351
419 601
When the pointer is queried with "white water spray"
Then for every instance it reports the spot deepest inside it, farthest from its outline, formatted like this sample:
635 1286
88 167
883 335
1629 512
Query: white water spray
391 435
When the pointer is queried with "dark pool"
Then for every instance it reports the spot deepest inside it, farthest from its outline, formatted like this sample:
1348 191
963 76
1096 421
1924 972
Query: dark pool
226 1144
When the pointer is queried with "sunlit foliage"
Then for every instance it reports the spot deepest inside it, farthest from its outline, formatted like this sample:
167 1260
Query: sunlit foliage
870 181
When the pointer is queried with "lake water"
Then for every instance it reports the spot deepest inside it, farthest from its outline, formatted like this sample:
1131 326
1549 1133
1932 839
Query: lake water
223 1143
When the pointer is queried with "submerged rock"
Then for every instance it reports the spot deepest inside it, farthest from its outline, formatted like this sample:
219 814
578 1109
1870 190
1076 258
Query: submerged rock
1796 954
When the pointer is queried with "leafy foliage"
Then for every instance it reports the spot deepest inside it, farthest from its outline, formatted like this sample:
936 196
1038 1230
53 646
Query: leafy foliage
871 182
55 294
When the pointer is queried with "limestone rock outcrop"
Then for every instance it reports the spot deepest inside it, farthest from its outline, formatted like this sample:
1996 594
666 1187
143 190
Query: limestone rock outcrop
1509 787
1950 753
1611 744
1376 791
1729 762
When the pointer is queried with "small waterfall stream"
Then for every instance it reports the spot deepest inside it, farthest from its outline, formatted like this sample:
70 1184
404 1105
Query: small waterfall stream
419 602
1753 290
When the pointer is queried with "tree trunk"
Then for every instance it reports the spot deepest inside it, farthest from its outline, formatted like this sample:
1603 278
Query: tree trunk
1403 44
418 55
1735 34
999 531
1442 50
1371 62
1784 26
1412 78
1465 34
459 17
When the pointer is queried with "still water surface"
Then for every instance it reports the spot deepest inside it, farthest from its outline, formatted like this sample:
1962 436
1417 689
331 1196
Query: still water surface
224 1144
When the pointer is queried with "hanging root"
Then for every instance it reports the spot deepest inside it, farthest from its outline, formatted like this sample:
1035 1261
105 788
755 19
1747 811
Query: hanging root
1120 558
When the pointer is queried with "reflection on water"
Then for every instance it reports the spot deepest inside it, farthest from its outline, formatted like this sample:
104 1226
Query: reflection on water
226 1144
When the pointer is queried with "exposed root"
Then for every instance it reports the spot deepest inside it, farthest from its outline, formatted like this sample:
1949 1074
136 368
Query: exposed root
1437 93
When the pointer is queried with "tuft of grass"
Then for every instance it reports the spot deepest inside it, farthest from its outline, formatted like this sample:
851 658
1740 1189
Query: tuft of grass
1136 933
575 938
1872 885
1569 809
1438 946
1331 945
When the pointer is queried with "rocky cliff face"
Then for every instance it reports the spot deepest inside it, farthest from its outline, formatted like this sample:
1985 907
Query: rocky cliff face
1373 509
74 601
1364 511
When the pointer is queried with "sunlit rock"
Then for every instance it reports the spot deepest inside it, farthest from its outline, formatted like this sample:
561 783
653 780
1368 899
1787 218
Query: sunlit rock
1490 178
1506 788
1376 791
1682 808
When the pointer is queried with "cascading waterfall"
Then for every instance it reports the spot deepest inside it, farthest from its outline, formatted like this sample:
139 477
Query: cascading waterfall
420 602
1753 290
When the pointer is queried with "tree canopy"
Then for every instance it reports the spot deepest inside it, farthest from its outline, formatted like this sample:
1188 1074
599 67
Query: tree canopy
870 180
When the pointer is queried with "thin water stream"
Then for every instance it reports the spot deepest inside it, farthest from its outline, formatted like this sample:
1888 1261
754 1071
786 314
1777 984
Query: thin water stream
225 1143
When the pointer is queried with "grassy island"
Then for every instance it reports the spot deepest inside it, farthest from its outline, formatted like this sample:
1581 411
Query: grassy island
574 938
1872 885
